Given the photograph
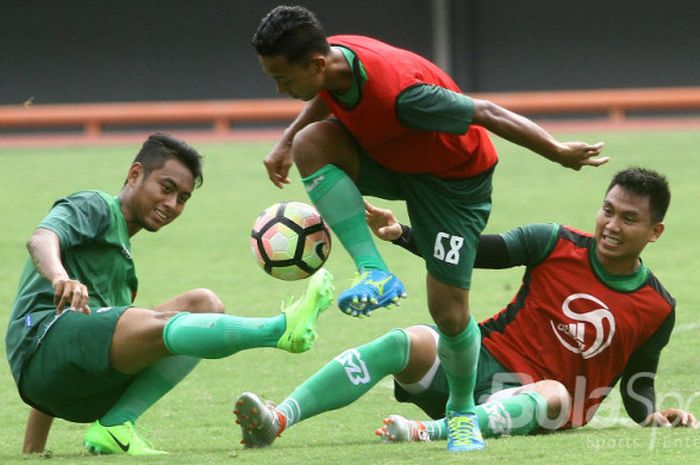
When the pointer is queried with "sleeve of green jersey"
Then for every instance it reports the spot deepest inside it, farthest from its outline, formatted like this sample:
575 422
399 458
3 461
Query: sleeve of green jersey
434 108
529 245
78 218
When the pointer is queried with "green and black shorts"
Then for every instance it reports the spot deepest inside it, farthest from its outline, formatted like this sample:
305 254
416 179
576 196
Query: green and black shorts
69 376
447 215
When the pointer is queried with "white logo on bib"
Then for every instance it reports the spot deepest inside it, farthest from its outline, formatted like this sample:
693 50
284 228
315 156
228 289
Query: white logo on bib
591 320
355 368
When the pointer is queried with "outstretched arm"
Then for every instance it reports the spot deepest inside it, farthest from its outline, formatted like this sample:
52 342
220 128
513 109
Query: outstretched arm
491 253
279 160
637 385
38 427
639 397
45 249
524 132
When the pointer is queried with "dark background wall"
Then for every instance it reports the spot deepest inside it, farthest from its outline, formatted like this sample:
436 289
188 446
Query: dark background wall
128 50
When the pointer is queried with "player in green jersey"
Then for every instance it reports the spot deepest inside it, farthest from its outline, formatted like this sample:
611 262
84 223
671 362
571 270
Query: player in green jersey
534 373
385 122
78 348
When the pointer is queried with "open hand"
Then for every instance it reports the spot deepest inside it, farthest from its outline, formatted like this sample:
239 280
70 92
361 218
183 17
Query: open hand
382 222
70 294
671 417
576 155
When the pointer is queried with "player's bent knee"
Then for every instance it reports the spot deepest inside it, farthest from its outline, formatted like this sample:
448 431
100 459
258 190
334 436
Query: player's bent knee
557 397
421 355
137 340
319 144
204 300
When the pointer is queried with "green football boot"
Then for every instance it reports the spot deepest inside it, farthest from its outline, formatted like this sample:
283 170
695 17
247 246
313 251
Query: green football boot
301 315
118 439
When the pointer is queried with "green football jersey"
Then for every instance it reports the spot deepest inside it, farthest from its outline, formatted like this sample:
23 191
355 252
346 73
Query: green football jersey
95 250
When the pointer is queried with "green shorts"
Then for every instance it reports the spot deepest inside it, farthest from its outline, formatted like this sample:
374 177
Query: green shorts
491 377
447 215
69 376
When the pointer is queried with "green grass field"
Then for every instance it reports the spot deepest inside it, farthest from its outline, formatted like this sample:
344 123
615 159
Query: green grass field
209 247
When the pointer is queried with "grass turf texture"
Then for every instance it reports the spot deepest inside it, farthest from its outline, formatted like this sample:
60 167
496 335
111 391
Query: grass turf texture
209 247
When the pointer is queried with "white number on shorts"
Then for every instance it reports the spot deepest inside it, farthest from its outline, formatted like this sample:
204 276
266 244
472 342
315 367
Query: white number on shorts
452 255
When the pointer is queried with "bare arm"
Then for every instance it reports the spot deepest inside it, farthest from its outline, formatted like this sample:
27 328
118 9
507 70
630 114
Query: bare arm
279 160
37 431
524 132
492 252
45 249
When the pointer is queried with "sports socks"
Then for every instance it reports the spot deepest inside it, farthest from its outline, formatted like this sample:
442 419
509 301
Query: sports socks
340 203
190 337
515 416
213 335
347 377
459 356
147 387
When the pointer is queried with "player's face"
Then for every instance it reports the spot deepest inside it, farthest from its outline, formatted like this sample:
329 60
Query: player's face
624 226
301 82
158 198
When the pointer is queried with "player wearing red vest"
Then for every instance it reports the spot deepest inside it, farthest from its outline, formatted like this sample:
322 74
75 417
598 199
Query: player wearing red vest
595 320
379 129
402 130
589 312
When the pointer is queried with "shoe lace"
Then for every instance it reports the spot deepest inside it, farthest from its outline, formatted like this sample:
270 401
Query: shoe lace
141 432
271 405
461 428
358 277
287 301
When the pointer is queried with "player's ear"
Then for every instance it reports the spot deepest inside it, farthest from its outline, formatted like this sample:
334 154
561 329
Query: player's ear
135 172
656 231
318 63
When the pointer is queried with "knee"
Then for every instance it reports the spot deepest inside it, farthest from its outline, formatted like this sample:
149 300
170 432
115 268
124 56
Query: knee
449 324
557 397
322 143
307 145
422 354
204 300
449 306
451 320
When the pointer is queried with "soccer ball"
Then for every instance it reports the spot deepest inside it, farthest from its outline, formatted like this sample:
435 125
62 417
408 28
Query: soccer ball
290 240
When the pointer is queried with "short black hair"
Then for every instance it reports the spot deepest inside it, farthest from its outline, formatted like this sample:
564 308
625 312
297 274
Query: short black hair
645 183
160 147
292 32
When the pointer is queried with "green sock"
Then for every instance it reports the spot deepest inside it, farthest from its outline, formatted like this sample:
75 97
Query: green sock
347 377
436 429
459 356
515 416
340 203
147 387
213 335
